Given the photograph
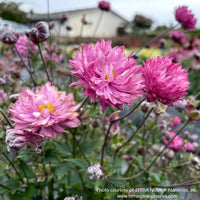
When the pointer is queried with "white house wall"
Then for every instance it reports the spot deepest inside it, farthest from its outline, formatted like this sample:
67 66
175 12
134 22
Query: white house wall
107 28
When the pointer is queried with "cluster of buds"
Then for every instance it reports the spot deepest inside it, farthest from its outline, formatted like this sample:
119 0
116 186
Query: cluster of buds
39 33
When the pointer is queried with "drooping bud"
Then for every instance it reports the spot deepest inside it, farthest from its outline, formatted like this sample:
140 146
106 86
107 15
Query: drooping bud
39 33
134 55
63 18
197 56
9 37
104 5
51 25
162 43
69 28
17 139
95 171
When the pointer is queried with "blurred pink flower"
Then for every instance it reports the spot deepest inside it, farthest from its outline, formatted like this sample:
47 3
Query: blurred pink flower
176 121
107 74
115 127
25 46
189 147
3 95
17 139
46 111
104 5
52 54
165 81
185 17
177 144
178 36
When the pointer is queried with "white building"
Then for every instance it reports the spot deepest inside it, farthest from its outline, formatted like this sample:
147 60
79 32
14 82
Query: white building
108 26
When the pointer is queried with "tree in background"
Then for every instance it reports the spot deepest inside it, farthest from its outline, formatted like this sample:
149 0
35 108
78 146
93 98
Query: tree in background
141 21
11 11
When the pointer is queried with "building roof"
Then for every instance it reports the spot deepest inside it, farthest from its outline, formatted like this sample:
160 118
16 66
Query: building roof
57 15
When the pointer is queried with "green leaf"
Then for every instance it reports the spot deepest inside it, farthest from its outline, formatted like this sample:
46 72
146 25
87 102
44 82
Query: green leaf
62 169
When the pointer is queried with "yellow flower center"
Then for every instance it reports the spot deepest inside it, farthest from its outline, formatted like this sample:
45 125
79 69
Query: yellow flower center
48 106
107 76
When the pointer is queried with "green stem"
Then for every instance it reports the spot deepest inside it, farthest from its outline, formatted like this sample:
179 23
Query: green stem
44 64
130 138
166 146
157 37
98 23
13 166
111 123
82 103
6 118
27 68
81 150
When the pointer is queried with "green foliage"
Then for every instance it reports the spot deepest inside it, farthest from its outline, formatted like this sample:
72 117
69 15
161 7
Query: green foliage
11 11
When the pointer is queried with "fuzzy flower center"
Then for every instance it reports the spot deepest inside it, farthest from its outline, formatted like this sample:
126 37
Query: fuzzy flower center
48 106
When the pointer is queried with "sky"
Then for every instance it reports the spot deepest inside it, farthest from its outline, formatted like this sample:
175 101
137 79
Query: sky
160 11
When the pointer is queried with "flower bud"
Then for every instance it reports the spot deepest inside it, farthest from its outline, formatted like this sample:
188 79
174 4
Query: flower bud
197 56
63 18
51 25
134 55
69 28
104 5
9 37
15 140
39 33
162 43
95 171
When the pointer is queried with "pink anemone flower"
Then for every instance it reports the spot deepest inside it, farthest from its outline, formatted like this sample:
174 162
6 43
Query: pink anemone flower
107 75
25 46
185 17
46 111
177 143
165 81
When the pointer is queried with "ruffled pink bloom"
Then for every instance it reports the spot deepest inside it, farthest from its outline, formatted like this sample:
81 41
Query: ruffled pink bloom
17 139
189 147
25 46
177 144
176 121
104 5
178 36
185 17
52 54
107 74
46 111
165 81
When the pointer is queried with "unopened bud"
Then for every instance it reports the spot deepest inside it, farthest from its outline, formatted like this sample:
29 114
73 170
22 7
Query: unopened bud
9 37
95 171
162 43
39 33
51 25
63 18
69 28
